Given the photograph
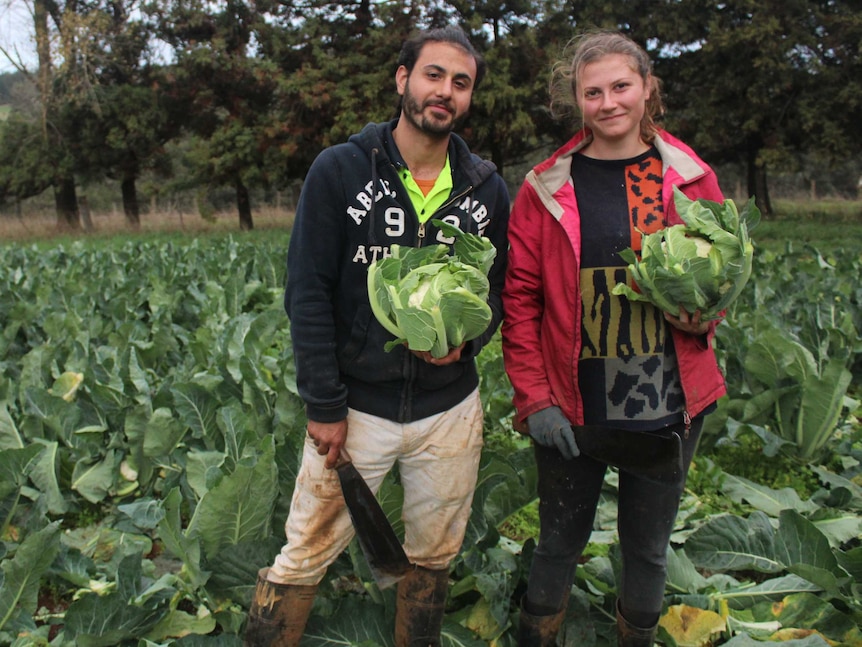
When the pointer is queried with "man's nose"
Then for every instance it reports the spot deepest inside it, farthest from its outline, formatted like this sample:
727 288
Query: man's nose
444 89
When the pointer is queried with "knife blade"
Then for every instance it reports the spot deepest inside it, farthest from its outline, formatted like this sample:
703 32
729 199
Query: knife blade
657 457
377 539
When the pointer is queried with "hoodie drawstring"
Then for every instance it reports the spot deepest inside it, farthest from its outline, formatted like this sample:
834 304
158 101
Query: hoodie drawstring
372 236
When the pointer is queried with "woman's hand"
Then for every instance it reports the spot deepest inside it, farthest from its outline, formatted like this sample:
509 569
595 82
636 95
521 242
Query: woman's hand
689 323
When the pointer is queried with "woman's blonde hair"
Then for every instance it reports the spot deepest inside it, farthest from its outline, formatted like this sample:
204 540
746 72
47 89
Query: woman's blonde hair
592 46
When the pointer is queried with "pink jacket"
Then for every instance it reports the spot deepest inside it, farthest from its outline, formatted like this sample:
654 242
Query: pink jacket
541 299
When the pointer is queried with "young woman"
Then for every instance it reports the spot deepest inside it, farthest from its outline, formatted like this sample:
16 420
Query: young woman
578 355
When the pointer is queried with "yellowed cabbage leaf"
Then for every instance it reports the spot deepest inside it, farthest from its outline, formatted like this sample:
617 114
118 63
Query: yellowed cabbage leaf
690 626
66 385
795 633
481 621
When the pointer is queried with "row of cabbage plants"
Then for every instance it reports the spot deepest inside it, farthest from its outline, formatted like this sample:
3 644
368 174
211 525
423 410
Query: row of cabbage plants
150 432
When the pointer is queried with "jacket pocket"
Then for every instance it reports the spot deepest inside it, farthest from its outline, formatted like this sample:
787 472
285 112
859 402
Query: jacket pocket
357 337
361 354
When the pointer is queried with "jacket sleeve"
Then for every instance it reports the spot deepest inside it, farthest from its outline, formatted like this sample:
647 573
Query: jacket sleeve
312 276
523 305
701 377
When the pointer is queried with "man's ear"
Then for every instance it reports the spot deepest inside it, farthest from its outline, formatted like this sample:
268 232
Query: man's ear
401 75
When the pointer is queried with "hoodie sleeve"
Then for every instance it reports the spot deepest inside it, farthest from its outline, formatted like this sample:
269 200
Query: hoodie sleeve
312 275
497 233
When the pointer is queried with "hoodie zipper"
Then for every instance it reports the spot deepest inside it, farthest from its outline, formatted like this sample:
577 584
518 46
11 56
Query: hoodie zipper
420 234
405 408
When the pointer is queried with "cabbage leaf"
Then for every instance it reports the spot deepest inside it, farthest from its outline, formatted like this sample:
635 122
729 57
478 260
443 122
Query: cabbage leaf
430 300
702 264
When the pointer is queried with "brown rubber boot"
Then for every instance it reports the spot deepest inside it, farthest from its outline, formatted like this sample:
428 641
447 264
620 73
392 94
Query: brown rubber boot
629 635
420 607
539 631
278 613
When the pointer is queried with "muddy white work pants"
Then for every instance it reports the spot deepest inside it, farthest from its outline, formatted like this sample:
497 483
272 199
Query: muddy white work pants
438 461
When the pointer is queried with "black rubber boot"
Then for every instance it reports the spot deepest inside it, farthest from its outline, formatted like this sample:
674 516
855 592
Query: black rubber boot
278 613
420 607
539 631
629 635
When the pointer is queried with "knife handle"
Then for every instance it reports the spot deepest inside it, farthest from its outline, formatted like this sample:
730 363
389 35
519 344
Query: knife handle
343 459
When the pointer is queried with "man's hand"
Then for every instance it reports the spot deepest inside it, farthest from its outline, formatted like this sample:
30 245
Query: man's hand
329 438
691 324
550 428
453 356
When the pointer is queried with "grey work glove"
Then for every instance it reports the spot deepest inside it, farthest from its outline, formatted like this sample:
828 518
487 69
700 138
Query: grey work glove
550 428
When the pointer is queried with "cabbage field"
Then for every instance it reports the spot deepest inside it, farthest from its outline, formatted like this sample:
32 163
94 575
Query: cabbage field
150 433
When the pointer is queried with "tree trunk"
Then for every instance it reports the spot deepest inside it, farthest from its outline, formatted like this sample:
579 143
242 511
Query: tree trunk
761 190
43 52
84 211
243 204
66 203
130 202
363 17
757 185
497 155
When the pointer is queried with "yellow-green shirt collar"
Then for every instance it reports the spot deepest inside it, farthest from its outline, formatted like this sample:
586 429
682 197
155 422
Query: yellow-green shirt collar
425 206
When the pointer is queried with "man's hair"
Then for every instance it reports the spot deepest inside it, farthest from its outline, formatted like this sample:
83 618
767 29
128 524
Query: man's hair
453 35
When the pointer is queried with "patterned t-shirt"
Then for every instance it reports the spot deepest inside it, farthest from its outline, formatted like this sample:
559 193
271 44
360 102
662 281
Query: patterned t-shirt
628 375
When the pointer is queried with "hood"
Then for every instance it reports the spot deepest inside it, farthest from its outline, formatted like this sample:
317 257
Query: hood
376 141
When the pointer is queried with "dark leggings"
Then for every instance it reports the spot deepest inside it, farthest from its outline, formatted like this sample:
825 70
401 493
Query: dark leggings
568 496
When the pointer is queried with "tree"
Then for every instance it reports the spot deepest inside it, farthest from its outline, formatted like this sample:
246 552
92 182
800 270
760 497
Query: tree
256 90
831 107
35 152
753 81
130 119
510 104
337 65
339 61
228 93
63 180
27 169
89 58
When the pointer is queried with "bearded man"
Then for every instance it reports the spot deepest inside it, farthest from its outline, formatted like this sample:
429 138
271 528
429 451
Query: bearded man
384 186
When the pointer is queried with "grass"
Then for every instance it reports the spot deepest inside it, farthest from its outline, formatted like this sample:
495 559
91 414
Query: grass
835 211
43 229
822 223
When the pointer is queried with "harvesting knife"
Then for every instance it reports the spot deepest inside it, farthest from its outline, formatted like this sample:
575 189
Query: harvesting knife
380 545
653 456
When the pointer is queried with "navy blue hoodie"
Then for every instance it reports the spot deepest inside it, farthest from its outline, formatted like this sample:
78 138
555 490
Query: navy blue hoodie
352 208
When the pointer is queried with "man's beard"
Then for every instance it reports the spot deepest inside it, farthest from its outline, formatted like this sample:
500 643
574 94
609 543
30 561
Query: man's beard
414 113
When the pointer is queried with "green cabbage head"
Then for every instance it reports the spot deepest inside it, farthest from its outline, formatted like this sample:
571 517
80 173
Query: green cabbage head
701 265
429 299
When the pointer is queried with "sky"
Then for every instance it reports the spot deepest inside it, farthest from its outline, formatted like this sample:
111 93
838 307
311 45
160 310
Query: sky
16 31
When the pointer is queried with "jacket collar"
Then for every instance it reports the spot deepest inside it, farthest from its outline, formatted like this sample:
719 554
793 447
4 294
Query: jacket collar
552 174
